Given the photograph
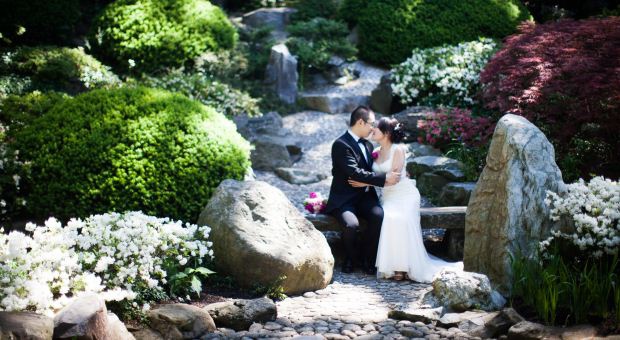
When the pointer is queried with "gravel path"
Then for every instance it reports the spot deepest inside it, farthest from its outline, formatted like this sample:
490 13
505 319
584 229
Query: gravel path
352 306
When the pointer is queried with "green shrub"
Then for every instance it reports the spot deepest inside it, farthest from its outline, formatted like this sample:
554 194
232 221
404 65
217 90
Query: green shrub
127 149
350 10
310 9
315 41
52 68
256 46
390 29
148 35
38 21
221 97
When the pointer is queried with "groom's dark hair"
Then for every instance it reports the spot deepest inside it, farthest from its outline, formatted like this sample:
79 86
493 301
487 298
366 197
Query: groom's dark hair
361 112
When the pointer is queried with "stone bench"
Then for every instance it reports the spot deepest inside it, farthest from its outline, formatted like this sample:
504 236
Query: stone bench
450 218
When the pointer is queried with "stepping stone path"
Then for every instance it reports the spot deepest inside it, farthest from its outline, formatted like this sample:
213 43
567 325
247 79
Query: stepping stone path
353 306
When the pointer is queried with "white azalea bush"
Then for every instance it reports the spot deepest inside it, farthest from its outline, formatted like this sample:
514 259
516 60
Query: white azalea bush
447 75
118 255
594 207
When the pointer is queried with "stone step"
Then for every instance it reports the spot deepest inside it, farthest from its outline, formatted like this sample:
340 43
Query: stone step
430 218
344 98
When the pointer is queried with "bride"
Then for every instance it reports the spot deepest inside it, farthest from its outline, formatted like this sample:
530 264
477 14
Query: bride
401 251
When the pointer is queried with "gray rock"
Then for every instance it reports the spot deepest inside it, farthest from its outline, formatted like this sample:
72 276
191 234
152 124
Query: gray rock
416 149
498 325
241 314
381 97
432 164
410 118
281 73
461 291
334 102
456 193
430 185
526 330
453 319
506 212
85 318
272 152
416 314
180 321
25 325
269 123
116 330
443 217
147 334
277 18
300 176
258 236
456 175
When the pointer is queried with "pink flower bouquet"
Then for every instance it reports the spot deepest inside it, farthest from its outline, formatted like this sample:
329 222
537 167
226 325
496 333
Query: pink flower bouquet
315 203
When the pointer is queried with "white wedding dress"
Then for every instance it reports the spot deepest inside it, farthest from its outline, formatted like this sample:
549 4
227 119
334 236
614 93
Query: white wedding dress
401 247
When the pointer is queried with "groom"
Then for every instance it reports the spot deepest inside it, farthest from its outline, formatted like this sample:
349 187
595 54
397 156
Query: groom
352 159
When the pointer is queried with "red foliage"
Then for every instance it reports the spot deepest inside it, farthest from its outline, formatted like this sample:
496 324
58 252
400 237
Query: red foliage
455 125
561 76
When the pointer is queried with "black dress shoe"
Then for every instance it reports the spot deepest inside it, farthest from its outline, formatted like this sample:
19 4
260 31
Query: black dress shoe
347 267
371 270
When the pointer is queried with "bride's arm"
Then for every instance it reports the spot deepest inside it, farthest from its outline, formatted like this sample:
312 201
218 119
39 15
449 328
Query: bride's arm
399 158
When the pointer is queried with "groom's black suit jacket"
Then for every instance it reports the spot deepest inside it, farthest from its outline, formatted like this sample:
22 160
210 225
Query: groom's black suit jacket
348 161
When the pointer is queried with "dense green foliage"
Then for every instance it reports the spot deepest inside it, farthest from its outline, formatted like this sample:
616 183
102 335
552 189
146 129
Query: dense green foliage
309 9
51 68
315 41
38 21
220 96
390 29
148 35
126 149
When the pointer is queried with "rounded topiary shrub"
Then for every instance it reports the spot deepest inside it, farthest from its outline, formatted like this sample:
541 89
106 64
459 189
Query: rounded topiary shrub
147 35
390 29
127 149
564 77
38 21
52 68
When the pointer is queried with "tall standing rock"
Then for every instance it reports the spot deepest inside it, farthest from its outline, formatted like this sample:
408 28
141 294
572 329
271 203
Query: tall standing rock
506 213
281 73
258 235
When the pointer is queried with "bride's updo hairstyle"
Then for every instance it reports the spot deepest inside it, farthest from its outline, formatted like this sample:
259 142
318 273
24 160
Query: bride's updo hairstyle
392 128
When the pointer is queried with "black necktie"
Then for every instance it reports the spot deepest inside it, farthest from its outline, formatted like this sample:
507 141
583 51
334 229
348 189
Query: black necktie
363 142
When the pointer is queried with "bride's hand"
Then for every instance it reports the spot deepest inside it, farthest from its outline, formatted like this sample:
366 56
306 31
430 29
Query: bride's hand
357 184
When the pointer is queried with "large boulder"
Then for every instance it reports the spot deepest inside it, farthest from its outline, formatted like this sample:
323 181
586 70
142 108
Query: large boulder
258 236
506 214
241 314
181 321
461 291
25 325
281 73
265 124
456 194
85 318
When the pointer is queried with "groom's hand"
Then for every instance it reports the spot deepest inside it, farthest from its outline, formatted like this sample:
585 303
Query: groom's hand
392 178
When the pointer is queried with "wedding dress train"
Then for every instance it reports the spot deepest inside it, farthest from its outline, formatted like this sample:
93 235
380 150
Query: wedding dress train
401 246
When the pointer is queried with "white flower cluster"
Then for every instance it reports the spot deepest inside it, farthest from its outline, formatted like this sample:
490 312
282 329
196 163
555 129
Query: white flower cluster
109 253
442 75
595 210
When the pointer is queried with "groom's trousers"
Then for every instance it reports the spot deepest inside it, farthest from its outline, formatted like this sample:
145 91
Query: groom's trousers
367 207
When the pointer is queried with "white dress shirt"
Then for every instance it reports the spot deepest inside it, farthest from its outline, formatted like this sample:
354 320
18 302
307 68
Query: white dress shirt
363 147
